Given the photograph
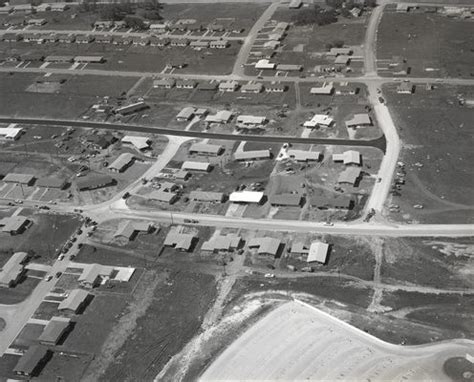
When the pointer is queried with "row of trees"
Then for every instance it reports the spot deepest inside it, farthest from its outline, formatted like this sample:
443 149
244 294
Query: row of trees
134 14
327 15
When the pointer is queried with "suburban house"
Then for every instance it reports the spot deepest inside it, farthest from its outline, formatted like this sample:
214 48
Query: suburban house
222 116
252 155
124 161
180 241
268 246
303 155
206 149
359 120
327 88
207 196
286 200
196 166
186 114
351 175
319 120
246 197
318 252
222 243
348 157
13 270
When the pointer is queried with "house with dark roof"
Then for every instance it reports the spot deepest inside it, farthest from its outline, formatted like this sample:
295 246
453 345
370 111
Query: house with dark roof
286 200
54 331
32 361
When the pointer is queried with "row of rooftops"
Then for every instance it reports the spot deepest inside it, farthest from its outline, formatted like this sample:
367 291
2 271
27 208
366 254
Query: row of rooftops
109 39
28 8
231 85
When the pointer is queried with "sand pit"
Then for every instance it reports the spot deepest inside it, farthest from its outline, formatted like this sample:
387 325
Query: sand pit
299 342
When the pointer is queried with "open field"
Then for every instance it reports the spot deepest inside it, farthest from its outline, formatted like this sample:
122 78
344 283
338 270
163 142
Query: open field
296 342
436 134
174 316
20 292
75 96
133 57
235 15
433 44
306 45
48 233
429 262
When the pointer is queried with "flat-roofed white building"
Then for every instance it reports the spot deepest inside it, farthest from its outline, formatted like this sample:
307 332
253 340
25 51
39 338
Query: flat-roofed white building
246 197
10 133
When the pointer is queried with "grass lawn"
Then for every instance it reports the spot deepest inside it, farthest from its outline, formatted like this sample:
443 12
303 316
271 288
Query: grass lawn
20 292
428 41
436 135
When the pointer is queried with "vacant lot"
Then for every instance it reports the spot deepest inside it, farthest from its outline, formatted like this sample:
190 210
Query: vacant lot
430 262
436 134
446 315
433 44
47 234
75 96
233 16
174 316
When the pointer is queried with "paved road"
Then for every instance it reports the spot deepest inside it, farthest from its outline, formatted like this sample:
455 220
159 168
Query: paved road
246 47
389 162
370 60
120 210
225 77
377 143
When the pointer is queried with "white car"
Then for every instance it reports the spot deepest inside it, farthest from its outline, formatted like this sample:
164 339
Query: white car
269 276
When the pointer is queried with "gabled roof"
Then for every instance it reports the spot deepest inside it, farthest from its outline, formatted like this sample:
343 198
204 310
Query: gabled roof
140 143
359 120
290 200
265 245
196 166
348 157
318 251
222 243
206 148
182 241
349 175
254 154
31 359
74 300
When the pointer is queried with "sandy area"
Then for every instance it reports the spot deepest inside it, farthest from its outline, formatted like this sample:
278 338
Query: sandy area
299 342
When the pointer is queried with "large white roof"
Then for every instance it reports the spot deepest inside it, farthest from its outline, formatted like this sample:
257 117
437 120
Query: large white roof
246 197
318 252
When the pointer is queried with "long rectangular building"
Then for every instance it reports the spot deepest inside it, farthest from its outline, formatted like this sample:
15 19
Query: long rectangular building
54 331
206 149
252 155
206 196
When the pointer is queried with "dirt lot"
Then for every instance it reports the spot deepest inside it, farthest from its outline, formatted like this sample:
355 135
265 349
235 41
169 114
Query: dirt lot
430 262
174 315
433 44
435 131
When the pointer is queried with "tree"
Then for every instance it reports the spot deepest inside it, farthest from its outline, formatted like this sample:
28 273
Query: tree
135 22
